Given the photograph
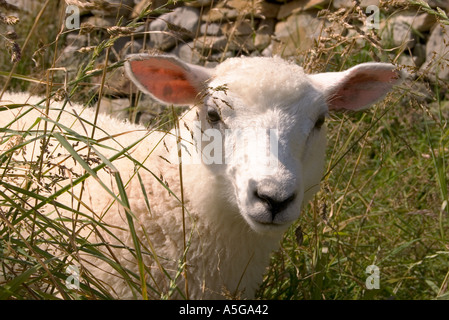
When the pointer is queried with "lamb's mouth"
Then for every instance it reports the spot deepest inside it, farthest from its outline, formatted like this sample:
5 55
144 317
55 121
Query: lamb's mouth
267 227
271 224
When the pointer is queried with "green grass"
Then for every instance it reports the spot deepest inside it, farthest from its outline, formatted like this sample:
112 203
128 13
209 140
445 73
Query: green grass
383 201
381 205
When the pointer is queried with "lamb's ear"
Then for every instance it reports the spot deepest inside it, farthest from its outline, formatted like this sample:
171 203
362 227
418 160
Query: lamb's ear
357 87
166 78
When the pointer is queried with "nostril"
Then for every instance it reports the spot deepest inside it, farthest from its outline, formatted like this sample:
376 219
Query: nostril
275 205
264 197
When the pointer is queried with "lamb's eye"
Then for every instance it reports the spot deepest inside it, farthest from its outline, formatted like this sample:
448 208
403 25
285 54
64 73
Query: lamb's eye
213 115
320 121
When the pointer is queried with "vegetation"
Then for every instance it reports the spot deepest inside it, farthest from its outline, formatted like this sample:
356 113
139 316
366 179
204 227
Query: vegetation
383 202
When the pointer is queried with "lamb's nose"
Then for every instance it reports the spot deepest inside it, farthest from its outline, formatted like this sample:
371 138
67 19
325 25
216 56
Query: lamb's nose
275 205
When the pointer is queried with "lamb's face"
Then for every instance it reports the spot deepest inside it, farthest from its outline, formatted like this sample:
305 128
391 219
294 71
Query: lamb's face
261 123
273 144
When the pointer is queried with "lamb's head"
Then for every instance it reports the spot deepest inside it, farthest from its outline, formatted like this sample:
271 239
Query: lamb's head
266 117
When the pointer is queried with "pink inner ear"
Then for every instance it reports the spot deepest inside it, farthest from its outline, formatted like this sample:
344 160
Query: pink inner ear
362 89
165 80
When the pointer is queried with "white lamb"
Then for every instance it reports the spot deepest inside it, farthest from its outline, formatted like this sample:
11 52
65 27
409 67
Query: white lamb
238 197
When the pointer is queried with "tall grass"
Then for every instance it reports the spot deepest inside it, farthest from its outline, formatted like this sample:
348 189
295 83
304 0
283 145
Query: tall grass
42 255
383 202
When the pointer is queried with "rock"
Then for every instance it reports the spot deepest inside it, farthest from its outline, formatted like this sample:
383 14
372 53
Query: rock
254 9
351 3
140 30
153 4
139 7
414 61
420 91
262 41
437 53
266 26
241 5
211 43
268 10
118 108
26 5
113 8
238 28
220 14
99 21
366 3
268 51
407 61
76 39
146 111
297 6
298 32
84 6
124 46
242 44
184 19
343 3
258 9
443 4
145 118
69 58
212 64
402 29
216 58
116 83
264 33
419 54
399 32
210 29
188 52
424 22
354 36
199 3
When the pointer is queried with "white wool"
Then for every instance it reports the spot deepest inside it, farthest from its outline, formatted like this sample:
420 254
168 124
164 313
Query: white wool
261 81
231 227
212 277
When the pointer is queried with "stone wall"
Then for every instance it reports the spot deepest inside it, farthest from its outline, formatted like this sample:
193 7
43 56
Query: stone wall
206 32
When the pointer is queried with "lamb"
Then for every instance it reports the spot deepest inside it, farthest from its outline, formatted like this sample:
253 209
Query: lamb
199 197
